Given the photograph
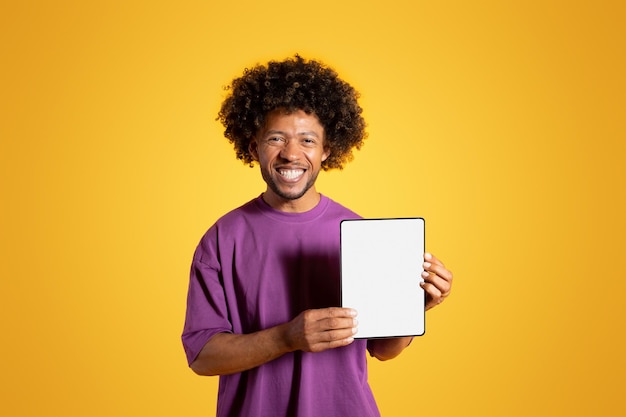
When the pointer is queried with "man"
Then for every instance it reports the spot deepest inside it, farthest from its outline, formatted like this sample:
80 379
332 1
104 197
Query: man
264 290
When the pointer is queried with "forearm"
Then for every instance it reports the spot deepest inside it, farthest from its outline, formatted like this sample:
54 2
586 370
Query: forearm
227 353
311 331
385 349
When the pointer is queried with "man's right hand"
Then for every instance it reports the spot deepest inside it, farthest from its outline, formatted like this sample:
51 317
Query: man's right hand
311 331
321 329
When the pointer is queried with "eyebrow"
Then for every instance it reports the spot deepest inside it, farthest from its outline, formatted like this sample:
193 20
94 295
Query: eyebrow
280 132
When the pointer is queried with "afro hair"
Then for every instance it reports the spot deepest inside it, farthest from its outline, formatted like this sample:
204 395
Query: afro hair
291 85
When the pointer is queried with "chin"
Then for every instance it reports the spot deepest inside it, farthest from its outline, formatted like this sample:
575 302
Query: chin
290 196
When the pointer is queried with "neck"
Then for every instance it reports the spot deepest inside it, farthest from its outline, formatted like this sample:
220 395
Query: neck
300 205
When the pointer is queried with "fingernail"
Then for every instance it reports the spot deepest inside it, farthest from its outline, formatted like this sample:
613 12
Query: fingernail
426 264
428 256
425 274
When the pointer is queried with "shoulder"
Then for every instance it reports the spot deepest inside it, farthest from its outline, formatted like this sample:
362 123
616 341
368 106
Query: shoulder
235 216
339 211
230 223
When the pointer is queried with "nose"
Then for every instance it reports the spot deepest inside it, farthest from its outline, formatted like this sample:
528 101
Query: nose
290 151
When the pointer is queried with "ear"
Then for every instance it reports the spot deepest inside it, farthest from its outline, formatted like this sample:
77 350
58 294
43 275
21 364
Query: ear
253 148
326 154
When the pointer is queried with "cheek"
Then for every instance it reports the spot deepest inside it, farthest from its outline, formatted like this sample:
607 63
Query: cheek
265 157
315 157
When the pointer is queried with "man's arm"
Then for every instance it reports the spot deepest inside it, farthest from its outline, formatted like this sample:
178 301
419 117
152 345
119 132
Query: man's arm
385 349
437 286
312 331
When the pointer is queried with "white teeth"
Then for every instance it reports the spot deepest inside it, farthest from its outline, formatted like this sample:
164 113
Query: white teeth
291 174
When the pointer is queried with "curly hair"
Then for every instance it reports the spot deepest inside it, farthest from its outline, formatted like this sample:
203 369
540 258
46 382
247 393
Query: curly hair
294 84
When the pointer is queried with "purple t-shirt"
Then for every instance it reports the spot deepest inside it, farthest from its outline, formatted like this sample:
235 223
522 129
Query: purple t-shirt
258 267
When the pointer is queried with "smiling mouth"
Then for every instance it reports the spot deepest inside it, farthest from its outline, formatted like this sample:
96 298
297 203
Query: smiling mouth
291 174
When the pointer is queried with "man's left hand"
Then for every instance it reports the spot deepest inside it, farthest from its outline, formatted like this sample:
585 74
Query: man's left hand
437 281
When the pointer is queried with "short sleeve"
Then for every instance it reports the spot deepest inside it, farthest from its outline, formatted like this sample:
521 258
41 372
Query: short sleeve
207 312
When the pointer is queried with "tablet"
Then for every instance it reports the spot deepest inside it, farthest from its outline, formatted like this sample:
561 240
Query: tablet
381 266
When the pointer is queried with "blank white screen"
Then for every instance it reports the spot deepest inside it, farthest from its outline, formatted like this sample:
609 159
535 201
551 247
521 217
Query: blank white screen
381 266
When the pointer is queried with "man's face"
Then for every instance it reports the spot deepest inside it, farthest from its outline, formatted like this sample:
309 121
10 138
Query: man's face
290 151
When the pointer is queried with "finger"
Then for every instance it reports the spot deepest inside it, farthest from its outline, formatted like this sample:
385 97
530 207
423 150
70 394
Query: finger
337 323
436 276
339 312
330 312
431 288
429 257
333 344
331 339
331 336
433 260
439 269
337 318
443 285
432 295
323 320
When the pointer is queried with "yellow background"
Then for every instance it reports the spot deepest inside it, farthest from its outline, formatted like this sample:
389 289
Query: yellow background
502 123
